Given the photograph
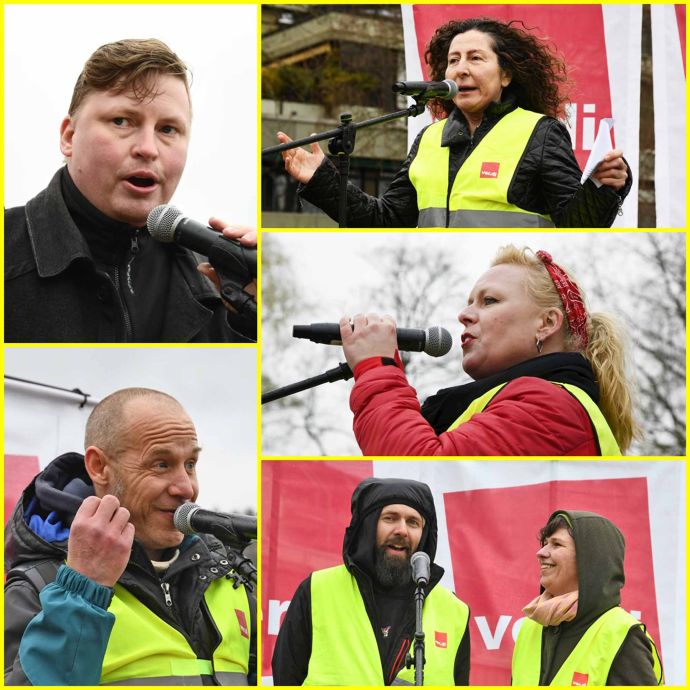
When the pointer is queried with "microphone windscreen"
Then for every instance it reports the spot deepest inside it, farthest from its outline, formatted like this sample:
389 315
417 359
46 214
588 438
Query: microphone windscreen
438 341
183 514
421 567
160 222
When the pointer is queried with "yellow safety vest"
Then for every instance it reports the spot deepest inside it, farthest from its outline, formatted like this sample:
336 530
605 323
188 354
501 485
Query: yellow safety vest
589 663
344 649
145 650
479 196
605 438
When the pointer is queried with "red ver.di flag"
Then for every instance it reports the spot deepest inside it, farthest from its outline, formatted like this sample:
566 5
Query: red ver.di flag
601 48
500 584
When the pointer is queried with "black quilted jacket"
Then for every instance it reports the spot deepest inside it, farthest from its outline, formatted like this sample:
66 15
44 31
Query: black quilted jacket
547 180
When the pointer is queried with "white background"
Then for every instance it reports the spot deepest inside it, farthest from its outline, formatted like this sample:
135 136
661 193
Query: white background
216 386
46 47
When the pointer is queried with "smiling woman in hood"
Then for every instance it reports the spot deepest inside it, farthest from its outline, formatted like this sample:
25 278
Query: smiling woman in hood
575 632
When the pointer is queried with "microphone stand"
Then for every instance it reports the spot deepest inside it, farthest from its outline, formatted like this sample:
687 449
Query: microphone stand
342 144
245 572
418 661
340 373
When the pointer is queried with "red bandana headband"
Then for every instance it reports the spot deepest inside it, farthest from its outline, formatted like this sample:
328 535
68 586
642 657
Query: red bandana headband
570 296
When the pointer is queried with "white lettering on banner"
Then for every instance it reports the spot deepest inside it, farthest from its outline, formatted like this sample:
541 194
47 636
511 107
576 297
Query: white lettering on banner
516 627
276 609
492 641
589 125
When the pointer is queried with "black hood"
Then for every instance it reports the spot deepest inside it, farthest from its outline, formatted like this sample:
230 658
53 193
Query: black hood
370 496
60 487
600 553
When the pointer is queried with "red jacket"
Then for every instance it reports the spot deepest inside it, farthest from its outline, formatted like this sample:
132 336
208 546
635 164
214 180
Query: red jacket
529 416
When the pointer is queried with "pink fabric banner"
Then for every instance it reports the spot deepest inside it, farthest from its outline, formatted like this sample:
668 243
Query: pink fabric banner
487 538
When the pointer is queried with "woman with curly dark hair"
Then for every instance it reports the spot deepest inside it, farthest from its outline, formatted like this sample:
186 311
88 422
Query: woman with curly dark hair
497 158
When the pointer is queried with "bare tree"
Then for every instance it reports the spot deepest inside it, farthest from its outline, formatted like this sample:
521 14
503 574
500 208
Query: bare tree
298 424
659 334
650 298
422 288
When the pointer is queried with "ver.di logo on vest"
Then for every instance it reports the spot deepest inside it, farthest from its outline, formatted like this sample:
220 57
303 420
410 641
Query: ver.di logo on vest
242 620
441 639
580 678
489 170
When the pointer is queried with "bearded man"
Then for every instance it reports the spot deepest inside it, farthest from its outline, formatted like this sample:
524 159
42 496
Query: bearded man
354 624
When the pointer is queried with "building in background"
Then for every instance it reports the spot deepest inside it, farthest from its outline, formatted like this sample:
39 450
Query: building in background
319 61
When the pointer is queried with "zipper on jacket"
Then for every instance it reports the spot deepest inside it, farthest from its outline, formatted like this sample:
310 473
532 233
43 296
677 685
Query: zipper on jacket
125 313
134 250
399 660
165 586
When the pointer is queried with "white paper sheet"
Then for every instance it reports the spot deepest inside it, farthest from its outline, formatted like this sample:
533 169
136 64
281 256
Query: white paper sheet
602 145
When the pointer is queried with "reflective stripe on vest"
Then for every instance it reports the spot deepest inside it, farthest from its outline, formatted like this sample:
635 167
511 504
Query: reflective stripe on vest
479 196
344 649
590 661
605 438
145 650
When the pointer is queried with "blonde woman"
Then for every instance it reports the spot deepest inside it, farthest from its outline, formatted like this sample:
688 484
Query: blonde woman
549 376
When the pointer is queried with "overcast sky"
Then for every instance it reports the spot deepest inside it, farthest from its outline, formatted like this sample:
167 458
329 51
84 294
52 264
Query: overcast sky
216 386
46 47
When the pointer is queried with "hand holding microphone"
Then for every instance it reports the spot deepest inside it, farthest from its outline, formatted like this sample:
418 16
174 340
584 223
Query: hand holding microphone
231 251
369 335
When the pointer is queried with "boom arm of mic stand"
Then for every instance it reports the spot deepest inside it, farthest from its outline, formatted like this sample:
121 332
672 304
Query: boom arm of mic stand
412 111
340 373
342 144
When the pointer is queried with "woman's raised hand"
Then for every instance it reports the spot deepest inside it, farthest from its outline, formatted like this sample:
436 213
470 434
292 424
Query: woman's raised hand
299 163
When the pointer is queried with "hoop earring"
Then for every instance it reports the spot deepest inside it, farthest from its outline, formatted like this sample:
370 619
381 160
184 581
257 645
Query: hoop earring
540 346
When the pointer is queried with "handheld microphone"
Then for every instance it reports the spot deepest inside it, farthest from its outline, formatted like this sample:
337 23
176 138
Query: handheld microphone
435 341
189 518
167 223
446 90
420 563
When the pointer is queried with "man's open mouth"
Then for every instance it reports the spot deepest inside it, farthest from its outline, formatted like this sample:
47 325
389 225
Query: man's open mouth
141 181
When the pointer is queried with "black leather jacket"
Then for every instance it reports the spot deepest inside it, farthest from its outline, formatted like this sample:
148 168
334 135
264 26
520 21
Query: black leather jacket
56 292
547 180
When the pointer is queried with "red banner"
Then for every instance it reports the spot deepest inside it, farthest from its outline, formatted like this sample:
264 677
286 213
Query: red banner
493 545
577 31
19 471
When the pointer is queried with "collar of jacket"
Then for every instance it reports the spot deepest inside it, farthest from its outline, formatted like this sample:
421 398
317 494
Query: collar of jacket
443 408
56 251
457 130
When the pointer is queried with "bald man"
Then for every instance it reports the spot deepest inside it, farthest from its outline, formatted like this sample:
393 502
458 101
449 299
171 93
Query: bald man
103 587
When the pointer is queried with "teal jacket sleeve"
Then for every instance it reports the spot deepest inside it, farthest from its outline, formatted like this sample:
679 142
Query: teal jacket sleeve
65 643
